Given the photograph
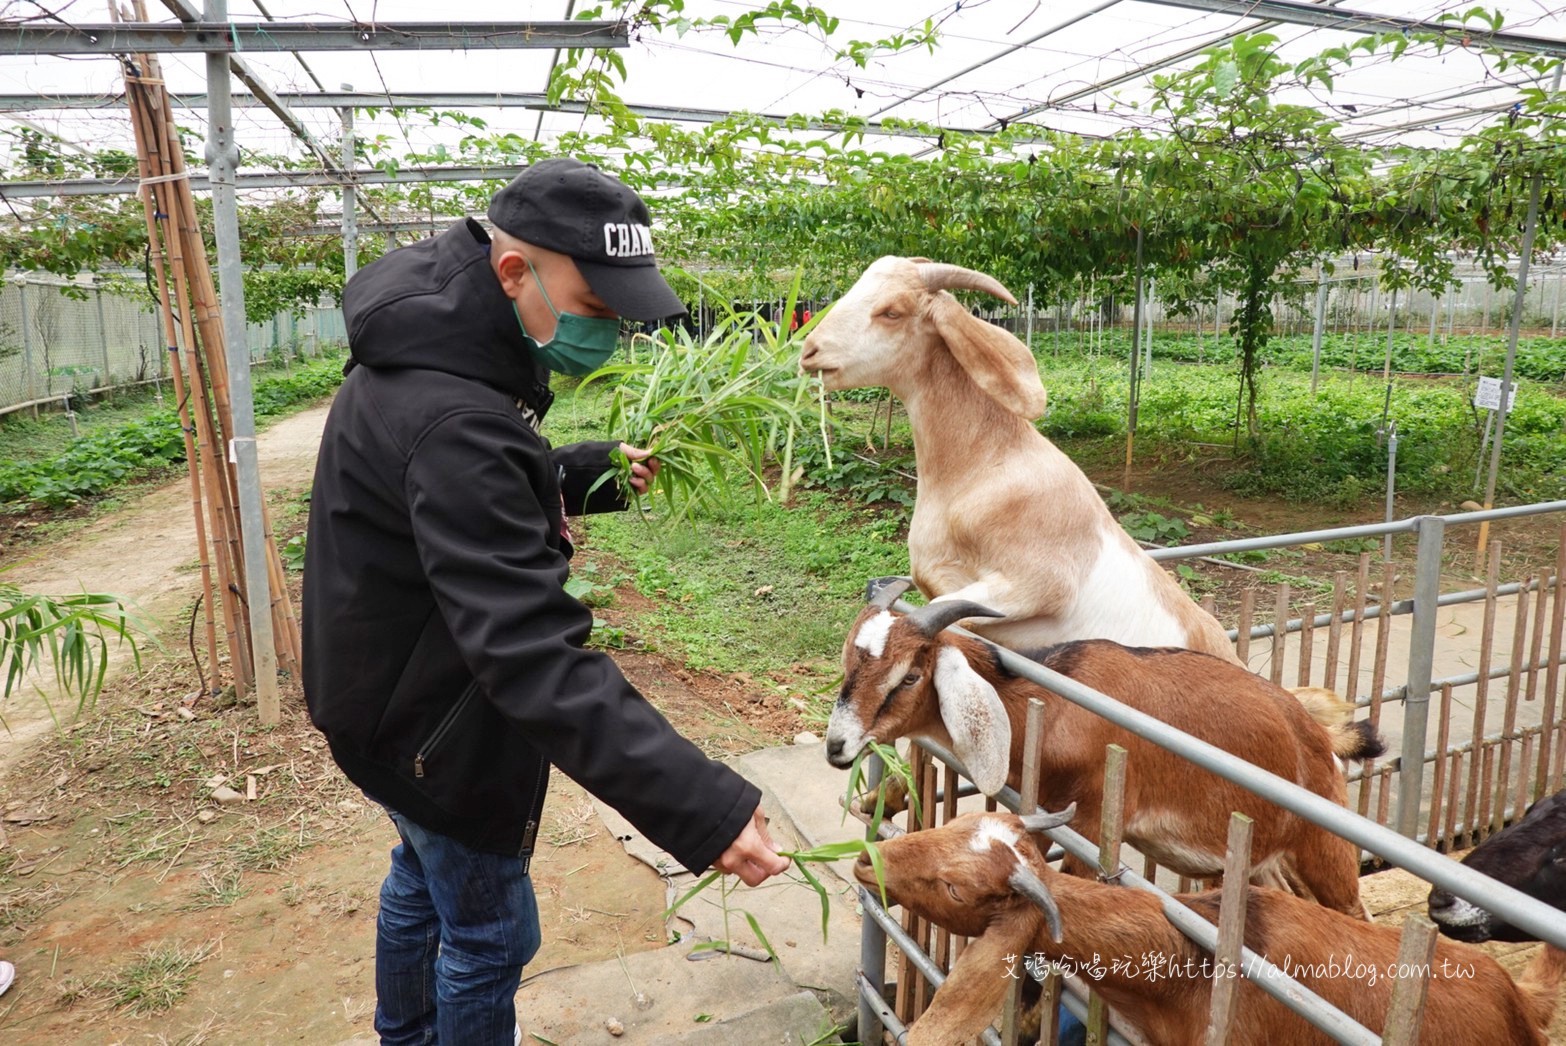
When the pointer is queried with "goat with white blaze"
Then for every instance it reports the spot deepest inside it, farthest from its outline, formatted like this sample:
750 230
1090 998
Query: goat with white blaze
909 676
984 876
1001 516
1529 855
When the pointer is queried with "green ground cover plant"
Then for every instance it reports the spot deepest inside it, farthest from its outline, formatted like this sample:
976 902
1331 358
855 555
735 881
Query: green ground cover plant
124 449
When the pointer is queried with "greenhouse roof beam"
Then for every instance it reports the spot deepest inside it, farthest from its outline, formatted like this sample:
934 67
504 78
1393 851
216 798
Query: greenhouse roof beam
456 100
264 180
264 95
268 37
1297 12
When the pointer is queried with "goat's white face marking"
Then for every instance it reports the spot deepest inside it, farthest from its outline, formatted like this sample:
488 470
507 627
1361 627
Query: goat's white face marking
871 637
992 830
1461 913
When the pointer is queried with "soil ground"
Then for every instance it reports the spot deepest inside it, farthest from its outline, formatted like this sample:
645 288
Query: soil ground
138 910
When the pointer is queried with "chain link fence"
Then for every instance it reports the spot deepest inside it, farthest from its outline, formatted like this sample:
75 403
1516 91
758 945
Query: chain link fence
63 337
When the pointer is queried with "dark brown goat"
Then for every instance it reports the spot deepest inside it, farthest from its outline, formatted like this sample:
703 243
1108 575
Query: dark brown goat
1529 855
983 876
906 676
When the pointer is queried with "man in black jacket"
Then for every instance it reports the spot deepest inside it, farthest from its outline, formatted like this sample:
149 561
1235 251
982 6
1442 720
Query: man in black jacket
443 657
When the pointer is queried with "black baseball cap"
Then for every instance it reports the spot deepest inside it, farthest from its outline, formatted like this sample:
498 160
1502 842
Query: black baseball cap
597 220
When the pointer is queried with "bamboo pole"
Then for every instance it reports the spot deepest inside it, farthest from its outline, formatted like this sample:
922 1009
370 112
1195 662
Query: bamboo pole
143 95
1335 629
1280 621
1307 642
1410 990
1242 639
155 237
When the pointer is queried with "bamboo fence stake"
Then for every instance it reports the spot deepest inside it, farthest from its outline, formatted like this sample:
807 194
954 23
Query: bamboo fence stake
1438 777
1514 685
1449 837
1231 931
1307 642
1525 778
926 929
1357 632
1280 621
1552 677
1482 688
1335 629
1242 639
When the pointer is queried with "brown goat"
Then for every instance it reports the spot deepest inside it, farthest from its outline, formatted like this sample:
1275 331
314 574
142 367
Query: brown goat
906 676
984 876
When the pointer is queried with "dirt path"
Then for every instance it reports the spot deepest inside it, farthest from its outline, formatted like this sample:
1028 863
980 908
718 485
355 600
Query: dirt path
146 554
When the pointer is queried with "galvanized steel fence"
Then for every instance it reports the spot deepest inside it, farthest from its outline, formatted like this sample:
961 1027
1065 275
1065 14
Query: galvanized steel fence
1499 742
60 338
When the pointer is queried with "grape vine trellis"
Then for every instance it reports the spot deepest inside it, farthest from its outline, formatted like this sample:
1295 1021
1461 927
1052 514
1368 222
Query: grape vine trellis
1233 192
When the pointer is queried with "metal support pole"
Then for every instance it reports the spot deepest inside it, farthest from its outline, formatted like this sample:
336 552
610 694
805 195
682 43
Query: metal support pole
1134 393
1435 315
1030 318
1386 546
1421 654
1316 333
1147 321
872 939
350 196
1555 314
222 161
103 335
1530 230
27 342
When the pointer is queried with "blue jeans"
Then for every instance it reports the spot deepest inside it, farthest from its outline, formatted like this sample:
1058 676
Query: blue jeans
456 927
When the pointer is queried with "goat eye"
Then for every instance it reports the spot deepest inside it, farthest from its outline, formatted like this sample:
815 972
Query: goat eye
952 890
891 314
910 679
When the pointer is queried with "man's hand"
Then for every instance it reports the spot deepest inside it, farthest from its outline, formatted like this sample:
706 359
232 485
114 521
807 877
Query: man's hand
752 856
643 467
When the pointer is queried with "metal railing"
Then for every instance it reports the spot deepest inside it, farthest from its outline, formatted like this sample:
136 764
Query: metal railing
1400 847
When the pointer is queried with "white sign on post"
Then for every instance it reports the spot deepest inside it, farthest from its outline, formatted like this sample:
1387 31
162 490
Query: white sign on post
1488 395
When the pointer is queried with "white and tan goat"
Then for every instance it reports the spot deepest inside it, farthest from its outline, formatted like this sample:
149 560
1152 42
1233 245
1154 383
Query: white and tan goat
908 676
1001 516
984 876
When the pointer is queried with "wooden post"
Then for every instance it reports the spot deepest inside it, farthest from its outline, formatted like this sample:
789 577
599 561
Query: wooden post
1552 677
1307 641
1111 831
1438 778
1242 639
1514 685
1406 1009
1028 793
1231 930
1280 621
1335 629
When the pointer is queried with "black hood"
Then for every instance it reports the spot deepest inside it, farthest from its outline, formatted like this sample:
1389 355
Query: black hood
436 305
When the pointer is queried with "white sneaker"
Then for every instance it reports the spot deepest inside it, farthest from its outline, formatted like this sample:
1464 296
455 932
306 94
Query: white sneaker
516 1041
8 974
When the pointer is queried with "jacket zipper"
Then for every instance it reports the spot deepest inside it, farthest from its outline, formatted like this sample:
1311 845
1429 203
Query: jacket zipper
442 729
530 830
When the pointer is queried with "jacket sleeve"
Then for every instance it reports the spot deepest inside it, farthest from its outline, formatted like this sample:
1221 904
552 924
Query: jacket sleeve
482 538
581 465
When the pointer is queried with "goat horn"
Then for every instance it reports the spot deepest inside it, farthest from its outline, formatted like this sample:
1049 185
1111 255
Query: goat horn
941 276
934 617
1040 821
1027 882
883 591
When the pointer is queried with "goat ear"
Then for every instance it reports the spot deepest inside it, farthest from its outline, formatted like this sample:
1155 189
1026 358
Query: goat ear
972 994
975 718
999 363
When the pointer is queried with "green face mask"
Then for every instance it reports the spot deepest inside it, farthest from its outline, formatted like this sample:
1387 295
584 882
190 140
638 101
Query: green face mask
581 344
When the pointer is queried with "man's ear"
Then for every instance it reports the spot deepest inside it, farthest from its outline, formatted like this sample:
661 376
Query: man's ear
511 270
